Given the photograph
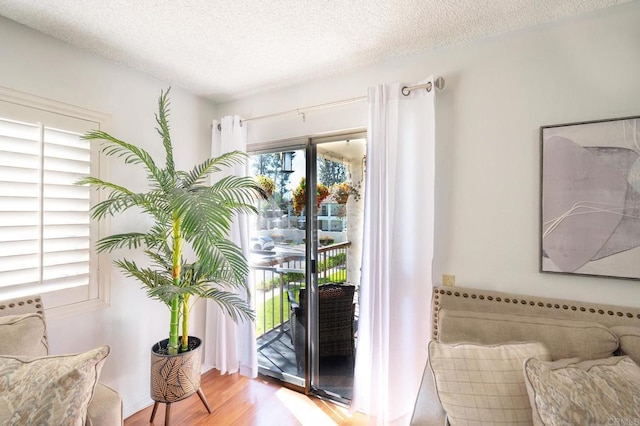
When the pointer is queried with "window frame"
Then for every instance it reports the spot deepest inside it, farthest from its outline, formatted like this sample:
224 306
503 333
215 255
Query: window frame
23 107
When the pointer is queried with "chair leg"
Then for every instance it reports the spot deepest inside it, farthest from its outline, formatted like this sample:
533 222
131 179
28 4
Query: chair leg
167 414
153 413
204 400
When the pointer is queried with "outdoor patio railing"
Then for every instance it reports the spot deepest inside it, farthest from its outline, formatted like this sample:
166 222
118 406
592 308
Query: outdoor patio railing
272 280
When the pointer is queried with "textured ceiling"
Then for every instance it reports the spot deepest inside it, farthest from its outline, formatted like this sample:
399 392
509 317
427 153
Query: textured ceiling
225 49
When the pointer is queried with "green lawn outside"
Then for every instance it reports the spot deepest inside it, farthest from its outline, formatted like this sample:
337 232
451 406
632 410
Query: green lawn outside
265 317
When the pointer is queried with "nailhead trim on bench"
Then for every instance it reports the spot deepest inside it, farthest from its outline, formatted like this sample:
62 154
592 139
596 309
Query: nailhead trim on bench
438 292
37 301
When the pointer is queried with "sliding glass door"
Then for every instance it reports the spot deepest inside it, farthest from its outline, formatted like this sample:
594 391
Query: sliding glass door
305 260
278 261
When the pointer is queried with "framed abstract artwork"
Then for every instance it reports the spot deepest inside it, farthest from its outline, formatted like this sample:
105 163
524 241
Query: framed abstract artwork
590 198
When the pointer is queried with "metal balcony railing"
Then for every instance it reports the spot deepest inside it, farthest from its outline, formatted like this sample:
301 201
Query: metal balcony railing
274 277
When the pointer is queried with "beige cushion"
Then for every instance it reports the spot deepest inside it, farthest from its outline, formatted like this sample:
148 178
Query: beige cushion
427 410
483 385
50 390
23 335
563 338
105 408
594 392
629 341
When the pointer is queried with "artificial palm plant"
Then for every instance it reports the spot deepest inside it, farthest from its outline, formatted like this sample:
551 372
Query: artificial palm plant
186 210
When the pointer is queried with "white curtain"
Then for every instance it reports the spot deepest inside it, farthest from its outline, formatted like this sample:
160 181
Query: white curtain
231 347
396 284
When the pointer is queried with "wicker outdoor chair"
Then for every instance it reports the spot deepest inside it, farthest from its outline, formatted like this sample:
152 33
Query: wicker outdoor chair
336 322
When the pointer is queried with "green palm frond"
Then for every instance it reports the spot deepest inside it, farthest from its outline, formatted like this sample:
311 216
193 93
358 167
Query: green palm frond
156 204
201 217
228 159
198 175
159 233
100 184
168 292
164 180
115 203
163 130
131 240
131 154
149 278
231 303
237 189
226 259
202 171
119 199
160 257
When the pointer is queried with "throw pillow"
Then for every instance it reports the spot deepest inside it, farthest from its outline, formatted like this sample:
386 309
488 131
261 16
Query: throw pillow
23 335
51 390
483 385
629 341
594 392
563 338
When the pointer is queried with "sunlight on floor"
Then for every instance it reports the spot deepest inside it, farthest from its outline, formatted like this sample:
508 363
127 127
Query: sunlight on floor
307 411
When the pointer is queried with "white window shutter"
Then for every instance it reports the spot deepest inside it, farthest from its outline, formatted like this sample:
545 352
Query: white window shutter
47 238
19 203
66 206
45 230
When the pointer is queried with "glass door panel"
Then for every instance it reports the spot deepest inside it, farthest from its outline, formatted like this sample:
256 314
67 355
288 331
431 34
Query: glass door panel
278 264
339 174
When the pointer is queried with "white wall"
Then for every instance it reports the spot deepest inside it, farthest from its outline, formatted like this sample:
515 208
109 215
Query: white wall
39 65
499 92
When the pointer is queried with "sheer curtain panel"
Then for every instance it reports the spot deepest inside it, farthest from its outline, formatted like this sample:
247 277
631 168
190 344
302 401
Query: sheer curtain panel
396 284
231 347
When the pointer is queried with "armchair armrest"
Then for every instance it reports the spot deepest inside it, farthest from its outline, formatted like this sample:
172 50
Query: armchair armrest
427 409
295 306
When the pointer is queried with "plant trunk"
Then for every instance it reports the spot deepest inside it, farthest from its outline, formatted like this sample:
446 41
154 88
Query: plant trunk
173 326
175 273
186 312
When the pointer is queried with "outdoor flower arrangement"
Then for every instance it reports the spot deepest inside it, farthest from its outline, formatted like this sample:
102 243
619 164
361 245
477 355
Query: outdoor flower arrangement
300 193
267 184
340 192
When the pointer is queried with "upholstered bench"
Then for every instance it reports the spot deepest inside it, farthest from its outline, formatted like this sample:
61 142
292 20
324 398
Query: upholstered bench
495 354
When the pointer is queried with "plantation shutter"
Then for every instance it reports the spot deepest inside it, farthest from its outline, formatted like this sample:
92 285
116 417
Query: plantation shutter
45 227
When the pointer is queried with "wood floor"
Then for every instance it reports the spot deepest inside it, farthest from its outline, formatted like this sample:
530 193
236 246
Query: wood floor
237 400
